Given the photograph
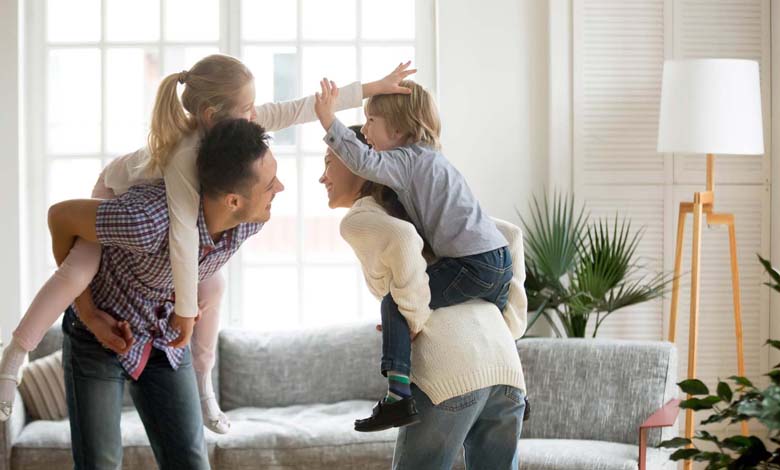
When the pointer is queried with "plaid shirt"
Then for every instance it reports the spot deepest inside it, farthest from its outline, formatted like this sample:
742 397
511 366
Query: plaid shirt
135 280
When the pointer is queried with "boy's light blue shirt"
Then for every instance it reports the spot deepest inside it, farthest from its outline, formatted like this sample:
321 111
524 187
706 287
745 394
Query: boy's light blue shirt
436 196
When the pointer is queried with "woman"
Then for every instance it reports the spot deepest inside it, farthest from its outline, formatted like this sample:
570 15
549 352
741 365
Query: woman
468 381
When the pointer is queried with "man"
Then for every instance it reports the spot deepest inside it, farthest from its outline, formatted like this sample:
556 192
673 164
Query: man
134 284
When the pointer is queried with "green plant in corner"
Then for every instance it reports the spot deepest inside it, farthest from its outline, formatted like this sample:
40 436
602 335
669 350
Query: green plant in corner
736 452
577 271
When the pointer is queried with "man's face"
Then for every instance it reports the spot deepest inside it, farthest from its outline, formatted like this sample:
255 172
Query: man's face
255 205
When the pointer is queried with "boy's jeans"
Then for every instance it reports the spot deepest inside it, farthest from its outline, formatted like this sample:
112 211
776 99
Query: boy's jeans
452 281
486 423
166 399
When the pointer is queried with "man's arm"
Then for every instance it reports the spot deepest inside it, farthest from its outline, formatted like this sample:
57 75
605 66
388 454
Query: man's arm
71 219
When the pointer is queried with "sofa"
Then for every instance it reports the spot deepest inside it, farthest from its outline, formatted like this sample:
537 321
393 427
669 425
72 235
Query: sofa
292 398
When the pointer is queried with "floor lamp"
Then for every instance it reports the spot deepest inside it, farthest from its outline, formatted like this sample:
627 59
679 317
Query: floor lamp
708 106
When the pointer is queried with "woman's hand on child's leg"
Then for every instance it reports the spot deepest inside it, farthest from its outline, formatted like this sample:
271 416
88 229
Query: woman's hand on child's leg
325 102
184 326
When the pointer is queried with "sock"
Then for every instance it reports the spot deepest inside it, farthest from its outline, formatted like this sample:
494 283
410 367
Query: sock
209 406
13 358
398 387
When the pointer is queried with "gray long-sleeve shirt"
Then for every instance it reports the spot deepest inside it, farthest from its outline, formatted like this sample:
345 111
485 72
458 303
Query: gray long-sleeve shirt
436 196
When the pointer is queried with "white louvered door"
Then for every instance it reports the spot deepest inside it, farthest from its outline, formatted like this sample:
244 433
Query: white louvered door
618 51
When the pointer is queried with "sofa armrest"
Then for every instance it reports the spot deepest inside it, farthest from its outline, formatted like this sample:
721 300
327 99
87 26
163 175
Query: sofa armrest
10 430
664 417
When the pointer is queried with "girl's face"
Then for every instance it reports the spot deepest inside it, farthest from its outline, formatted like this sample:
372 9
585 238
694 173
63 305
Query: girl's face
245 103
342 185
379 135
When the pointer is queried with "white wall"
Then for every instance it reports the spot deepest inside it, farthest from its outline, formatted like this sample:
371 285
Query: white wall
493 98
10 92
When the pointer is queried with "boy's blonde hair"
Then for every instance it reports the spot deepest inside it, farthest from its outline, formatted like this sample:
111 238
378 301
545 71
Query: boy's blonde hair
213 82
414 115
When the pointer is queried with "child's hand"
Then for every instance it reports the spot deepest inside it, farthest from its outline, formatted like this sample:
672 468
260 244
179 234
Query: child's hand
325 103
184 325
389 84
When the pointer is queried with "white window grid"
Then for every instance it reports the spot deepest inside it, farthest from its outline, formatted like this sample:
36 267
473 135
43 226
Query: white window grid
230 42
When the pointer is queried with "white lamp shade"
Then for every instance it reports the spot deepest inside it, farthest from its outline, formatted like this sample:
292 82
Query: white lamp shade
711 106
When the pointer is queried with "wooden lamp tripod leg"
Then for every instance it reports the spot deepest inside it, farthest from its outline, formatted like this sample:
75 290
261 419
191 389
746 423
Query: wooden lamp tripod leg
694 321
737 304
685 208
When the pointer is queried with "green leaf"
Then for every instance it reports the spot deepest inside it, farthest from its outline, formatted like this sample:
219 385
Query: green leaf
736 442
773 342
724 392
773 273
694 387
675 443
741 381
684 454
697 404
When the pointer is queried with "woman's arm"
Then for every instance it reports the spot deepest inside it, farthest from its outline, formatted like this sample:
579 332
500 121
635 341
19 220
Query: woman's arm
390 253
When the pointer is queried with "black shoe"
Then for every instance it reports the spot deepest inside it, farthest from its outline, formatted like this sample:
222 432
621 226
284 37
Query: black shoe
389 415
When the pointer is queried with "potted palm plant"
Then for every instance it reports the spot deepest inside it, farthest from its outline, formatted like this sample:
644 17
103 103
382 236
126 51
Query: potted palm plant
578 271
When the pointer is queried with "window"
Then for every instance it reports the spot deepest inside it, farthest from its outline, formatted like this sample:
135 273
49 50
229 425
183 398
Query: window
94 67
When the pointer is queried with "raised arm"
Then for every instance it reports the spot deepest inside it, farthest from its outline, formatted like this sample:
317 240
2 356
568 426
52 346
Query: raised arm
392 168
277 116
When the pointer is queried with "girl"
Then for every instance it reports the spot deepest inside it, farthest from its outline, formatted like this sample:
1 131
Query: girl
216 88
474 261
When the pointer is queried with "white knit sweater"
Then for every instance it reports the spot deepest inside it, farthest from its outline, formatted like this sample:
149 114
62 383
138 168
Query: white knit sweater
461 348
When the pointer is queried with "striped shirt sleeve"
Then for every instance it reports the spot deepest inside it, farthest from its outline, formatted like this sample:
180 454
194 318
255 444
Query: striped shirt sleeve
136 221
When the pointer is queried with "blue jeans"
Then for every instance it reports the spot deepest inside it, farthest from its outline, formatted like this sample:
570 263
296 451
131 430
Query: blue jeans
166 399
452 281
486 423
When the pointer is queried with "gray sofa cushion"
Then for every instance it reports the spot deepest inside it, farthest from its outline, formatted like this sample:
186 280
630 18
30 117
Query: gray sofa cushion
46 444
312 366
593 389
559 454
304 436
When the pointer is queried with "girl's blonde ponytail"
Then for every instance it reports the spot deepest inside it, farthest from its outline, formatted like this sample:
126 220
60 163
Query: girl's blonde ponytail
213 82
169 121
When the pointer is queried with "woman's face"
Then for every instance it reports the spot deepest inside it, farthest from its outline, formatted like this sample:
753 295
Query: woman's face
342 185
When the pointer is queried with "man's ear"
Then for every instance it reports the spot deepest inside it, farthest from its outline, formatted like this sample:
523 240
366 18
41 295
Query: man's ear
232 202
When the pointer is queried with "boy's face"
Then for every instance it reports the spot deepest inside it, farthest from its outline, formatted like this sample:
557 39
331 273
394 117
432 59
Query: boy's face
379 135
